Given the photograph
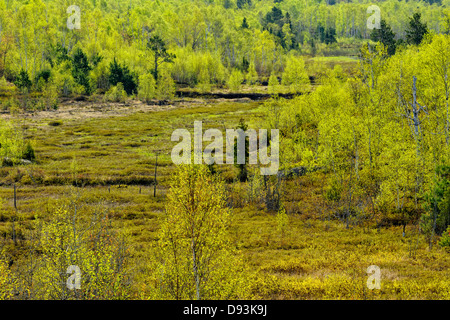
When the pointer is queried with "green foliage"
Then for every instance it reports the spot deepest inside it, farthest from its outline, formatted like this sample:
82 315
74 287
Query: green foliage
63 79
242 167
81 69
121 74
50 96
241 4
166 86
6 88
244 24
204 81
158 47
8 281
235 80
295 76
23 82
252 75
273 85
147 87
282 221
194 256
444 240
44 75
198 69
416 30
437 217
79 236
28 152
116 93
386 36
13 146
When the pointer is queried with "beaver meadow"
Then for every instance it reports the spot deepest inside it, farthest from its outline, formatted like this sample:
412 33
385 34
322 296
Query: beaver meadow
354 103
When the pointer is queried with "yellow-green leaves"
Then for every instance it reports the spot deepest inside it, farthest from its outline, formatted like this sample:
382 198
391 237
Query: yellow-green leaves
8 281
295 76
74 236
195 257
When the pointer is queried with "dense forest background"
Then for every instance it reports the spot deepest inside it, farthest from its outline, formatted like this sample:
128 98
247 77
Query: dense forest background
204 41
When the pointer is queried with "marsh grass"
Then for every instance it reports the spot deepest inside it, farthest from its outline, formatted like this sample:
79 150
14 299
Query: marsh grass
111 161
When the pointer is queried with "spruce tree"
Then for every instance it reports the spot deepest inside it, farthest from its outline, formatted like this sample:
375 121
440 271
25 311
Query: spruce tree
416 30
385 35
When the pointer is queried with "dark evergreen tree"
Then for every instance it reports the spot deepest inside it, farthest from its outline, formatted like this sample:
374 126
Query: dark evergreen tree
44 74
287 19
321 33
158 46
96 59
274 16
245 64
242 3
61 53
227 4
330 36
386 36
244 24
118 73
438 202
80 69
416 30
242 167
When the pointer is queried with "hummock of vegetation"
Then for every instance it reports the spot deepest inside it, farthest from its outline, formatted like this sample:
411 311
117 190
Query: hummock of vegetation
88 186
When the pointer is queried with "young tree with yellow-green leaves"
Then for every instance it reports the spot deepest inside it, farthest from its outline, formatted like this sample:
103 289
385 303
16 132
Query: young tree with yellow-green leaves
73 237
195 258
382 133
8 281
235 80
295 76
147 87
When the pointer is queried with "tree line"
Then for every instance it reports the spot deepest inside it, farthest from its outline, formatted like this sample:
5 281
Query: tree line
198 44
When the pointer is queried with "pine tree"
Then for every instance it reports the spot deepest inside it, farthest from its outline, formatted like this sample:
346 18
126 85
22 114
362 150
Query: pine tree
195 258
242 167
242 3
244 24
23 81
386 36
119 73
416 30
160 54
80 69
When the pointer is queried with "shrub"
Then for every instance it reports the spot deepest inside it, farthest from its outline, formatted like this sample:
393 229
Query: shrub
13 146
8 281
77 235
166 86
235 80
295 76
444 241
116 93
121 74
273 86
6 88
23 81
147 87
28 152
